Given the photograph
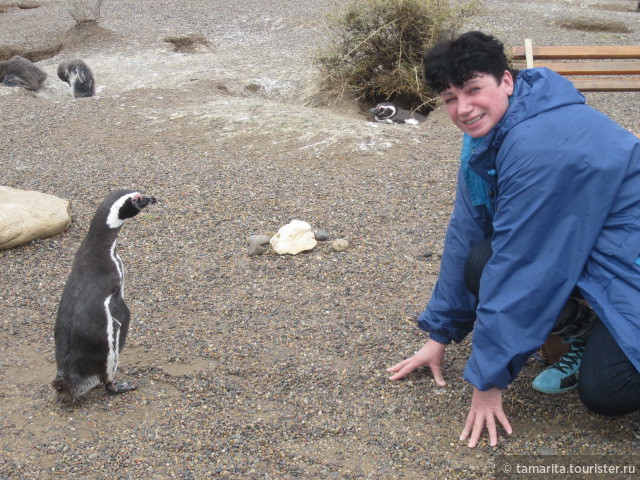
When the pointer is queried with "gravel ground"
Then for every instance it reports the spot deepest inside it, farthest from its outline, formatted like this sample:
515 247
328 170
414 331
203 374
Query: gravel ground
268 367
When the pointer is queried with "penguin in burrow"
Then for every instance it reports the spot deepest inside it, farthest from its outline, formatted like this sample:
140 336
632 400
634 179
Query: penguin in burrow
93 319
21 72
387 112
79 76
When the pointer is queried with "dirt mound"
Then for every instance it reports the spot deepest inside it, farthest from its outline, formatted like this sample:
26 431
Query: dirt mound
86 34
80 36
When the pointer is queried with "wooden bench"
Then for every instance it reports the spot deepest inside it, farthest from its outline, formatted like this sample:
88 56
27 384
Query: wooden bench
591 68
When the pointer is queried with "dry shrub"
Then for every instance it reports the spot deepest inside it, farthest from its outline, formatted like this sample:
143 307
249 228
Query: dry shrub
85 11
377 49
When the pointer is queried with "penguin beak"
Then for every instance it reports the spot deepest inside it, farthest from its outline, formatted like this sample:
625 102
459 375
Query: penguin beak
145 201
375 110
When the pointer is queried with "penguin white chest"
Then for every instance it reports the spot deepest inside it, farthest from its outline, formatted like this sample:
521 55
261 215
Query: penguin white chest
115 258
113 324
113 340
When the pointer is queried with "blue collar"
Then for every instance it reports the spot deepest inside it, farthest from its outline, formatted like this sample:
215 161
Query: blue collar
478 187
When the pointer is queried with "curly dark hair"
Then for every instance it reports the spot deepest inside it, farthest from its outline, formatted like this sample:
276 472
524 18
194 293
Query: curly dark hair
454 62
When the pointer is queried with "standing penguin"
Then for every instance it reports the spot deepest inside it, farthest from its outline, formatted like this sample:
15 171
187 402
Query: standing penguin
79 77
21 72
93 318
387 112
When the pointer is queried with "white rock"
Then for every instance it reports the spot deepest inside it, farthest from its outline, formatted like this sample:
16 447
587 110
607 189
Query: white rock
28 215
293 238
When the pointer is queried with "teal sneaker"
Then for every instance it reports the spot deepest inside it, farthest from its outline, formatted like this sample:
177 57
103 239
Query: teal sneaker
562 376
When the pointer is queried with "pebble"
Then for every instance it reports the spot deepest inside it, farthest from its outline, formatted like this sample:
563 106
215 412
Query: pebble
258 239
339 245
257 244
321 235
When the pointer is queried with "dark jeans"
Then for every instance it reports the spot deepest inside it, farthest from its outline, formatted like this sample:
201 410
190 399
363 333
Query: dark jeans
608 383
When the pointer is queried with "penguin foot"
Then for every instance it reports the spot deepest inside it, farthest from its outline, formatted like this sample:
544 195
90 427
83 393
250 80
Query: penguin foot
114 388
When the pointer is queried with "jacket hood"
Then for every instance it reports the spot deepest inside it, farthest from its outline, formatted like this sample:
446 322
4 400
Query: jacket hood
537 90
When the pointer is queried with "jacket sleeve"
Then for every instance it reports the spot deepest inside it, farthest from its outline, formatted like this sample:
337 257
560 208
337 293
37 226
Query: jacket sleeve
450 313
552 203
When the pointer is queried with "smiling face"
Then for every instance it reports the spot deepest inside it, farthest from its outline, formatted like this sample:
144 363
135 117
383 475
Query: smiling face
479 104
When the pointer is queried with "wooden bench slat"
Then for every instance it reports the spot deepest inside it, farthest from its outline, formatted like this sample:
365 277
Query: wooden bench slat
606 84
589 68
612 63
576 53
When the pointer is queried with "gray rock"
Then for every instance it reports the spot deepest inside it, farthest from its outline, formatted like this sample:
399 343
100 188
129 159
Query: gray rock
28 215
258 244
321 235
255 249
258 239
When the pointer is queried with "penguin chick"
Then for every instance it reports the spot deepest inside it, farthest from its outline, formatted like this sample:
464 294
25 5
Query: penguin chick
93 318
79 77
20 72
387 112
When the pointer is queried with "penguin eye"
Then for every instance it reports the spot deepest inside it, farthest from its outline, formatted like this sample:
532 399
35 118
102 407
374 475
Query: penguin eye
135 198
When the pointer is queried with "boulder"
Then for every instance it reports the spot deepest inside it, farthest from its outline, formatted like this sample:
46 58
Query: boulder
28 215
293 238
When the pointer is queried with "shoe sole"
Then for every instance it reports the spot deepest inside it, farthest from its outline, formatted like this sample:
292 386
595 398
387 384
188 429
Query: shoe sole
555 392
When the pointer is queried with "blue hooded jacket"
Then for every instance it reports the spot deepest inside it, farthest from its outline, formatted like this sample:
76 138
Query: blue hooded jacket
564 180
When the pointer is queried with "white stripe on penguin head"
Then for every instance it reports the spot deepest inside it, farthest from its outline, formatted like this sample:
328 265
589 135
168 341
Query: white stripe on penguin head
393 109
113 220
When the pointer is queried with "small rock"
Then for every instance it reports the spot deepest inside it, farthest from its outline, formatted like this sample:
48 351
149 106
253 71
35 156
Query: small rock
321 235
256 249
258 239
258 244
340 244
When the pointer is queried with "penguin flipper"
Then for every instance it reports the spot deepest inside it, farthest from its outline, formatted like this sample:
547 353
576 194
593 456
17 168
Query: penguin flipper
114 388
13 81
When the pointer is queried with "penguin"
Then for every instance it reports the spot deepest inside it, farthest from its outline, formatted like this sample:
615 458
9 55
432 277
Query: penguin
93 319
387 112
79 77
20 72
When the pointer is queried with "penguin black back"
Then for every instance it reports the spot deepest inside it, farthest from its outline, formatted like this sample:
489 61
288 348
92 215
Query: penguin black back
93 318
79 77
